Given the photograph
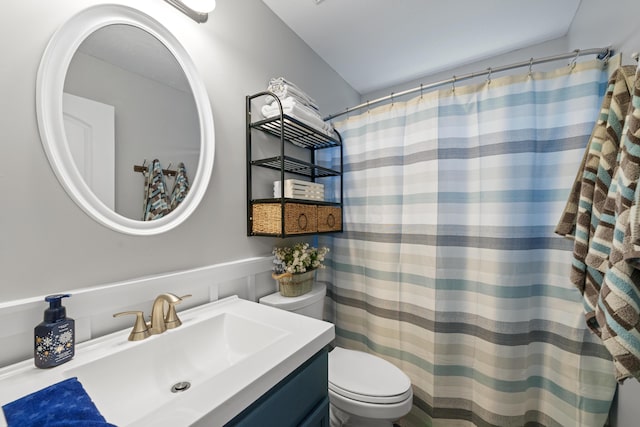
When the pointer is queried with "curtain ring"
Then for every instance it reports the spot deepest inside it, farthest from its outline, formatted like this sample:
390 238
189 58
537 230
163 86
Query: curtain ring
489 76
573 63
530 66
368 110
453 84
607 57
421 93
392 101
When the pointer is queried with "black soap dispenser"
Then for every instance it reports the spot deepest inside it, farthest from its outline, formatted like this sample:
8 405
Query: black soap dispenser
54 338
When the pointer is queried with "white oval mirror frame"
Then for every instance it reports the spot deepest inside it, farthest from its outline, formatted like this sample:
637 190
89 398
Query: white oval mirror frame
49 88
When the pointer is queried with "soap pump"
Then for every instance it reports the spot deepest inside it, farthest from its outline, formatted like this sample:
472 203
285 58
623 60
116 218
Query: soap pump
54 337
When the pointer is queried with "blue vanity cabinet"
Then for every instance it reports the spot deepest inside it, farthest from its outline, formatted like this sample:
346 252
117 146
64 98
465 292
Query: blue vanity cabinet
299 400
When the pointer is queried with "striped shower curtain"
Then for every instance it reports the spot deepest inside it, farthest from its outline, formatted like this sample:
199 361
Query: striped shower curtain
449 266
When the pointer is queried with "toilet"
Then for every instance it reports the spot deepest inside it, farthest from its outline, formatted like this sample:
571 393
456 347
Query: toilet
364 390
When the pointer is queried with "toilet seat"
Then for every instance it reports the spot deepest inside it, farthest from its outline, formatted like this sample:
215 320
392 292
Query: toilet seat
367 378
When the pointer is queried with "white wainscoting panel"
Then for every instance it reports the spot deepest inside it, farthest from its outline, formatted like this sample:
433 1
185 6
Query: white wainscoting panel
93 308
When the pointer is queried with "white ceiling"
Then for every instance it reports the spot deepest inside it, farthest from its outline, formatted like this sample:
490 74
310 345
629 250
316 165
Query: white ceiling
375 44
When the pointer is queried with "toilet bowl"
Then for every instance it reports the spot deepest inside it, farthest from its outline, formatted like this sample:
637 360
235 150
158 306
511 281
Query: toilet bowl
364 390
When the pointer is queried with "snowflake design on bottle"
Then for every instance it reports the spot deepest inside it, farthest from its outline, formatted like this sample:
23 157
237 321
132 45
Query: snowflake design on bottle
66 337
44 346
49 345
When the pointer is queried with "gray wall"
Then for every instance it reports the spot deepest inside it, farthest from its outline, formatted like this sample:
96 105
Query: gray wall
49 244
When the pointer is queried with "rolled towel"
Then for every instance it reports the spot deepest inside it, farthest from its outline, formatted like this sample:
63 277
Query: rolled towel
283 89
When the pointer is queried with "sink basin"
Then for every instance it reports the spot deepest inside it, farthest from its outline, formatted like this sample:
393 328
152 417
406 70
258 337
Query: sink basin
142 376
225 355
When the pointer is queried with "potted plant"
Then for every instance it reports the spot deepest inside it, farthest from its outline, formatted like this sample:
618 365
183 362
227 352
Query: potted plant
295 266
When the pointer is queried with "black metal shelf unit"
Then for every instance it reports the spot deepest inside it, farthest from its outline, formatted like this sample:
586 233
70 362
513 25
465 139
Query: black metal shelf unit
295 166
290 130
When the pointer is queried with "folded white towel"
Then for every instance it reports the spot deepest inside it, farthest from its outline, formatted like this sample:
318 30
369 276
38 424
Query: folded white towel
288 94
293 108
291 102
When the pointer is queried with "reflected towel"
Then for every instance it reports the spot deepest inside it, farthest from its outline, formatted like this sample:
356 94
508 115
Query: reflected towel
65 404
156 202
180 187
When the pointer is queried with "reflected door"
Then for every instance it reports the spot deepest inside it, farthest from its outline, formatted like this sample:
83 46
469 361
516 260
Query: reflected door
90 128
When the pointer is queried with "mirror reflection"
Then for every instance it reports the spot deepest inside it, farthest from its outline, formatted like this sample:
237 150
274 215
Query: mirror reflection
127 102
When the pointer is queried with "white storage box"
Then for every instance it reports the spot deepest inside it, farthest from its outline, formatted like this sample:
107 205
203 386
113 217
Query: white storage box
297 189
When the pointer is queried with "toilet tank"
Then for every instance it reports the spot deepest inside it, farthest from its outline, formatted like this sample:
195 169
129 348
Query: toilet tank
310 304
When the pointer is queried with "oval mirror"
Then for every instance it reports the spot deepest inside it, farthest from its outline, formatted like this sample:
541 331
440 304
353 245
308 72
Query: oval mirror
115 91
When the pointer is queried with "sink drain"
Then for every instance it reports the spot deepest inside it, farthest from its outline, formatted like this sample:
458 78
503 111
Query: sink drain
180 387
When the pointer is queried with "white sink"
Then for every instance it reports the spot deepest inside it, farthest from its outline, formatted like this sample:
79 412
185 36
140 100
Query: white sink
230 352
142 376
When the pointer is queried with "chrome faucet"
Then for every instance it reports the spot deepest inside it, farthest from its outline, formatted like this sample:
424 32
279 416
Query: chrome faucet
160 321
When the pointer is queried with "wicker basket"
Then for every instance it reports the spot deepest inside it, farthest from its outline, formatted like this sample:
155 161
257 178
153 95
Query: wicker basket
299 218
329 218
294 285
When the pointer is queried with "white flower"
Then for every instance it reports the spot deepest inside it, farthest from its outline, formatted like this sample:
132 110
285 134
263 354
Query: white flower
298 259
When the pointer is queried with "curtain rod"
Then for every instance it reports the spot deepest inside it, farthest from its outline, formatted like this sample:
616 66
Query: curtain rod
603 54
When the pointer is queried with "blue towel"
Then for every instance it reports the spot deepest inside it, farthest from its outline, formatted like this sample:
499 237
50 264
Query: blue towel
64 404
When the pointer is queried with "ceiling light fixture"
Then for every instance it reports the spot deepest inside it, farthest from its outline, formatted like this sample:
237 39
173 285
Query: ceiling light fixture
198 10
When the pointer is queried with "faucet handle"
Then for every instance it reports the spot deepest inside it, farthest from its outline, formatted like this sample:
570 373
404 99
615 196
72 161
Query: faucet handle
140 329
171 320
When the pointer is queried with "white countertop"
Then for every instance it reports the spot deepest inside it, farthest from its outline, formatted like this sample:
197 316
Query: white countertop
216 398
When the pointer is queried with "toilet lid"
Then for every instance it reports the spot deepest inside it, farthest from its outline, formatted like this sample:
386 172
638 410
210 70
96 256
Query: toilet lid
366 378
295 303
